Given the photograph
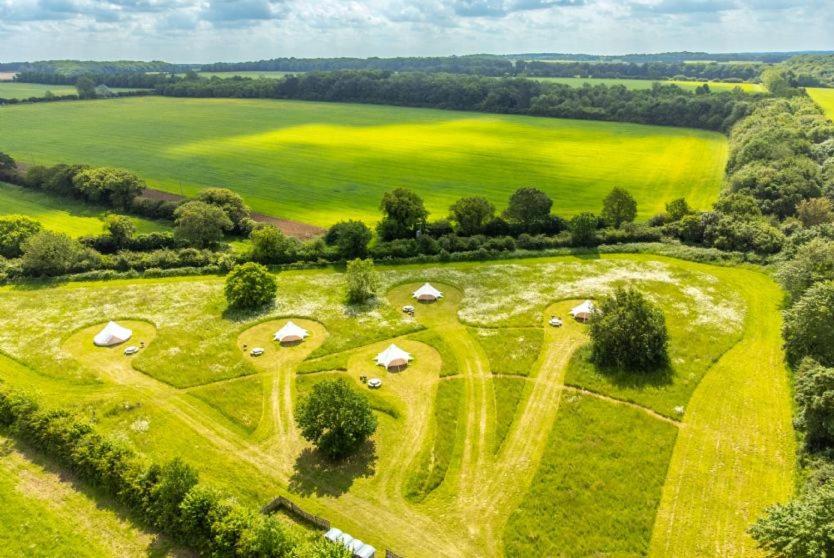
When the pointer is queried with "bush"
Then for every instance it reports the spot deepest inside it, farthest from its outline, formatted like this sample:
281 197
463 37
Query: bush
232 205
629 332
351 238
335 418
49 254
807 329
108 186
200 224
583 229
271 246
250 286
361 280
14 231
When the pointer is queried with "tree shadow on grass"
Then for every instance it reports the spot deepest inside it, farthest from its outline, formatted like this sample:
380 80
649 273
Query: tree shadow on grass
247 314
619 377
317 475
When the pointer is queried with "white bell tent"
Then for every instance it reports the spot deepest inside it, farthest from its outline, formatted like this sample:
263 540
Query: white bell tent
112 334
393 357
291 333
427 293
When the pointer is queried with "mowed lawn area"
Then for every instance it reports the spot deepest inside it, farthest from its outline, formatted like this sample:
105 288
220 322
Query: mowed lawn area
9 90
716 86
825 99
323 162
480 451
60 214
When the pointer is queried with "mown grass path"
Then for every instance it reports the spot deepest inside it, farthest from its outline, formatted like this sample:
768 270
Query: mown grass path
736 454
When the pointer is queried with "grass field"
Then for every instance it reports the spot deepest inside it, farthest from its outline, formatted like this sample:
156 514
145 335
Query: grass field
61 214
716 86
319 162
825 99
9 90
247 74
554 462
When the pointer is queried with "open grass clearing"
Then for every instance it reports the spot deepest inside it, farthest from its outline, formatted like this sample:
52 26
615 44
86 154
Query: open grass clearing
508 393
716 86
466 513
318 162
825 99
15 90
598 486
61 214
510 351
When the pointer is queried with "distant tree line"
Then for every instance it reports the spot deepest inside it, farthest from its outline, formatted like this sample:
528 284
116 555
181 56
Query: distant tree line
123 79
737 72
639 58
75 68
810 70
662 105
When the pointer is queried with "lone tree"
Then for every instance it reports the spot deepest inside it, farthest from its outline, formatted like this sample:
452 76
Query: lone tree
471 214
200 224
619 207
404 214
629 332
529 207
250 286
232 205
807 330
85 87
362 281
335 418
350 237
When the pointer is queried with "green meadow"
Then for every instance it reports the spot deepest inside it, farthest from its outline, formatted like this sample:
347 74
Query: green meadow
321 162
717 86
61 214
14 90
498 439
825 99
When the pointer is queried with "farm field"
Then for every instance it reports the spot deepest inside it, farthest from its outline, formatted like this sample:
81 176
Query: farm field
717 86
9 90
319 162
248 74
570 460
824 98
60 214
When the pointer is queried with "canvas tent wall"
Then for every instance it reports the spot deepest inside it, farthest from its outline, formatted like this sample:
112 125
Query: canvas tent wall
291 333
393 357
112 334
427 293
584 311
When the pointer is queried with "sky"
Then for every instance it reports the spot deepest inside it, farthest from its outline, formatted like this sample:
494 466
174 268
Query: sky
233 30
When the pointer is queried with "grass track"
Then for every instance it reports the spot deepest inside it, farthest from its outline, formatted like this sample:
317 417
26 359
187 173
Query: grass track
28 90
825 99
318 162
61 214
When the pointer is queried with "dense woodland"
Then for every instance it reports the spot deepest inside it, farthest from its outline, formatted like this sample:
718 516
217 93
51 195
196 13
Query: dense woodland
663 105
810 70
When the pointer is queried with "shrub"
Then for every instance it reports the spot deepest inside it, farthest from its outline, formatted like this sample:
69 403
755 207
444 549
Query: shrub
50 253
271 246
583 229
361 280
351 238
200 224
250 286
815 211
629 332
120 229
232 205
807 329
14 231
335 418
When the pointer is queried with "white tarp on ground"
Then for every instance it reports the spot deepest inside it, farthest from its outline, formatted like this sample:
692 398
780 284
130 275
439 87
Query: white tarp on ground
112 334
427 292
291 332
333 534
366 551
392 356
583 311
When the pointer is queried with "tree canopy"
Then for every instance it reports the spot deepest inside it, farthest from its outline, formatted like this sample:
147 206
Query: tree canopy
619 207
250 286
200 224
471 214
403 214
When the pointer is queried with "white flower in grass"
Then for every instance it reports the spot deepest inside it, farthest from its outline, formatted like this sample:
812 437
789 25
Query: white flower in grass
141 425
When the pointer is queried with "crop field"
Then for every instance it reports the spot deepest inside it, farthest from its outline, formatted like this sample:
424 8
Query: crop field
319 162
10 90
60 214
825 99
500 438
717 86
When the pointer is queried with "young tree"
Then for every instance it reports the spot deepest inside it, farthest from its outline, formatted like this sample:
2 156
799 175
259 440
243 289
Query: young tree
14 231
815 211
250 286
270 245
351 238
619 207
529 207
471 215
362 281
120 228
815 403
50 253
335 418
231 203
403 214
200 224
677 209
629 332
807 329
583 229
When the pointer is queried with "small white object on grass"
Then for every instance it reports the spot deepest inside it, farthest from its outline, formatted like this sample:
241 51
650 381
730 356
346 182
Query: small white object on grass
257 351
679 409
132 350
374 383
555 322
